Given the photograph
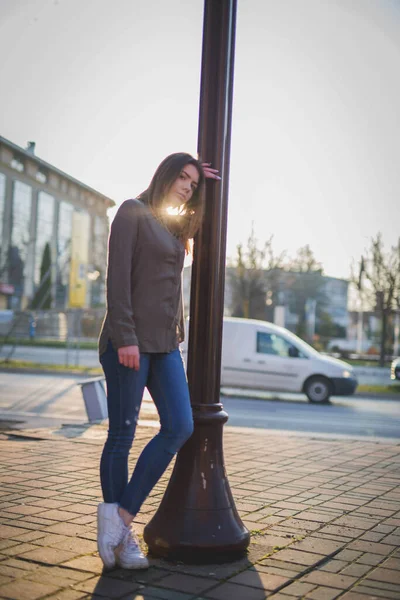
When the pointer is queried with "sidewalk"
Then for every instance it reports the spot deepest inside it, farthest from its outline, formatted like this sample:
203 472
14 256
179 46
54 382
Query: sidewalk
324 517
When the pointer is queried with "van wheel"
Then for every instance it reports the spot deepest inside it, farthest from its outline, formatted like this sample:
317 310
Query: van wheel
318 390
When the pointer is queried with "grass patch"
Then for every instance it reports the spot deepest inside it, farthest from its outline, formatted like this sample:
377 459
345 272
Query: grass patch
25 365
43 343
365 363
255 532
379 389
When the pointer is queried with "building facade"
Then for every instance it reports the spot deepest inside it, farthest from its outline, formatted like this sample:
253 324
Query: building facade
53 235
332 302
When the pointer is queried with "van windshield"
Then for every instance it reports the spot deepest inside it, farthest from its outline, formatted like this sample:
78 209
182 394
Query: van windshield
300 344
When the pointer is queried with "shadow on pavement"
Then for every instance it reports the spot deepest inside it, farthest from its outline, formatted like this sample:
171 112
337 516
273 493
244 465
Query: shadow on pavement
177 581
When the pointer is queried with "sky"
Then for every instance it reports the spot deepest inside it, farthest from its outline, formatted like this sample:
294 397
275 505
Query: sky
107 89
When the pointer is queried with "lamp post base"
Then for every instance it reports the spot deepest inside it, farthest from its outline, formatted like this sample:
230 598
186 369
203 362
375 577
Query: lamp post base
197 520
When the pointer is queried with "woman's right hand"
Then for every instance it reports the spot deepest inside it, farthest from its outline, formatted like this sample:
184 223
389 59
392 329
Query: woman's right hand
129 356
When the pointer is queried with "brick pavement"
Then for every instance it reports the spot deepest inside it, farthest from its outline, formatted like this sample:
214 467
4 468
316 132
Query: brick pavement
324 517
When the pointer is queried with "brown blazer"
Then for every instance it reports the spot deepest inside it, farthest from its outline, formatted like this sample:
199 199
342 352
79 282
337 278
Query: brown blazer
144 283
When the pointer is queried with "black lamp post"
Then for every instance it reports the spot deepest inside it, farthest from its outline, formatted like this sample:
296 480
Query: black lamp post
197 520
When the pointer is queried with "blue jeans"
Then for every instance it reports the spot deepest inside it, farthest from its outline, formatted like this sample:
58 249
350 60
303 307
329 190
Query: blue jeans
164 376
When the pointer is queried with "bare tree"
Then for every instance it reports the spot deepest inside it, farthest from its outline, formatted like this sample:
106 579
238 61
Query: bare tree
305 281
381 269
254 274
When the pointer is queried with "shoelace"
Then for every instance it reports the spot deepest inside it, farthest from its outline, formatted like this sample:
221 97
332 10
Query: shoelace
131 542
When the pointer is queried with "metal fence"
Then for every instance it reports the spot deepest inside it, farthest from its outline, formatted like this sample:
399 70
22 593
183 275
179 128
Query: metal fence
61 337
52 325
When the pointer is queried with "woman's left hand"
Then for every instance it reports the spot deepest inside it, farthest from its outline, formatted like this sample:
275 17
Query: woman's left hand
209 172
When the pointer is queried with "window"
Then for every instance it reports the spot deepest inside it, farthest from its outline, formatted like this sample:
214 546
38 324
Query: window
2 203
17 164
44 229
99 260
41 176
271 343
20 238
64 236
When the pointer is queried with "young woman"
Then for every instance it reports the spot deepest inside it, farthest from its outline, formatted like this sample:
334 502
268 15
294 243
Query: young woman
139 344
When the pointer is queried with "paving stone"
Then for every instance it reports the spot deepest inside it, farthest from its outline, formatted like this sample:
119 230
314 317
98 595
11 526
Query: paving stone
317 545
355 522
235 592
354 596
5 579
348 555
159 593
48 539
381 585
31 536
18 549
92 564
322 593
18 563
372 536
67 529
298 588
368 592
26 590
333 566
58 515
281 596
356 570
7 544
374 547
383 528
275 569
346 532
76 545
370 559
392 539
9 570
384 575
50 556
106 587
67 595
254 578
298 557
335 580
55 576
9 532
186 583
392 563
280 564
317 516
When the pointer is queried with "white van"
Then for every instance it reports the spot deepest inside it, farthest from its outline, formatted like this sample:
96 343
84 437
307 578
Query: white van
260 355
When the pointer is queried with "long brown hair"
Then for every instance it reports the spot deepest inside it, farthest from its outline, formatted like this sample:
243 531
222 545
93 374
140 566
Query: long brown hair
185 225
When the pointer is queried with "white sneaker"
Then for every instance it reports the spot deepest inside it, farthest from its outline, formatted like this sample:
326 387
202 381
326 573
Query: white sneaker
129 555
110 532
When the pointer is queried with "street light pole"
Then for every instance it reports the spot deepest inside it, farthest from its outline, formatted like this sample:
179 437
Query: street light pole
197 520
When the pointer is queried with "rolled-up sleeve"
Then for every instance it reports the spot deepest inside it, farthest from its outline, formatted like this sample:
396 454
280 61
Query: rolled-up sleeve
121 249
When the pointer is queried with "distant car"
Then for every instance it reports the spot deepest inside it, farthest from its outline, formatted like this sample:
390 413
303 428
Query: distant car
261 355
395 369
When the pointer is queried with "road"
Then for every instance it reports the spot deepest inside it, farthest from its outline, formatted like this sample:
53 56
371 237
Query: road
38 400
52 356
89 358
354 416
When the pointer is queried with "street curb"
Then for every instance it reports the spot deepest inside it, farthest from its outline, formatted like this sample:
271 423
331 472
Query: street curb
258 396
83 375
50 432
66 372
